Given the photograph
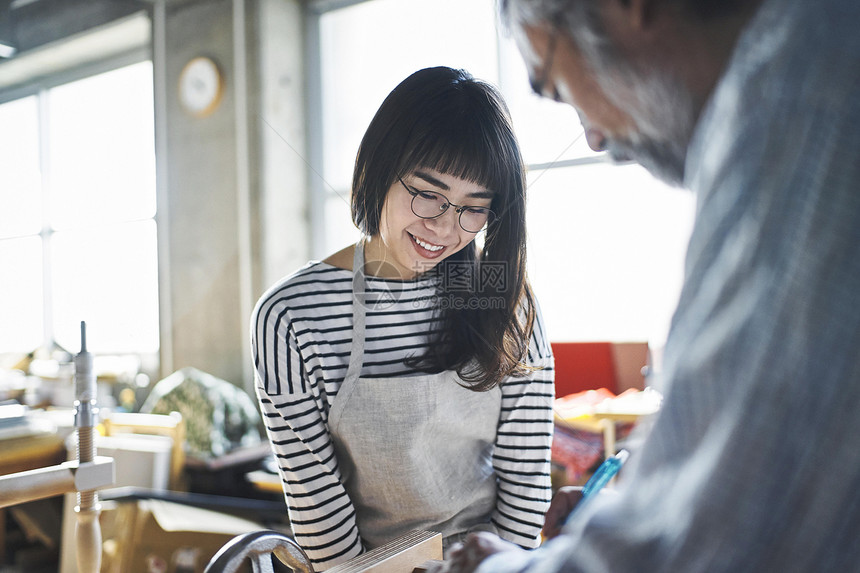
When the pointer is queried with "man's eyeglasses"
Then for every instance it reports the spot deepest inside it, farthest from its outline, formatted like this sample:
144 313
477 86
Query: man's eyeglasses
430 205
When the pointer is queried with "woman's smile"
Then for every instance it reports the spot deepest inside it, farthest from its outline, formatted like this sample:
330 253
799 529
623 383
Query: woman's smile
426 248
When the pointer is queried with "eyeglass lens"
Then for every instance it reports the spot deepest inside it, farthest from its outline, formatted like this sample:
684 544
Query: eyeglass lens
429 205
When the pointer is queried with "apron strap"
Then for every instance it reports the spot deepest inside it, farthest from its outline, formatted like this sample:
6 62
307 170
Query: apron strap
359 300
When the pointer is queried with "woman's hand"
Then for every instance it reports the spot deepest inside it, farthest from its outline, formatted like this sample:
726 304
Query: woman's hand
560 507
465 557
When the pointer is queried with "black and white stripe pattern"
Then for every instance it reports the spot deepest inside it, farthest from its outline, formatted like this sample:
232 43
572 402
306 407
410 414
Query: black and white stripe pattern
301 336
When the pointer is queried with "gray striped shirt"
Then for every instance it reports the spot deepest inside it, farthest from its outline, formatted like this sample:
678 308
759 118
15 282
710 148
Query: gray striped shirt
301 339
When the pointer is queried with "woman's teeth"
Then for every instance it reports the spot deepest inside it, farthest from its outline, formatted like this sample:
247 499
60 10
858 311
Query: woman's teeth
428 246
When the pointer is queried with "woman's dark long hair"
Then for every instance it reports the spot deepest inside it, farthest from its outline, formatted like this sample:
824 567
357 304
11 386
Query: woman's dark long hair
444 119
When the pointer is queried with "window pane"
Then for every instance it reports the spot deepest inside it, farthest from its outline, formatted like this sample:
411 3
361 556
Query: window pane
20 183
21 318
606 249
368 48
109 278
102 150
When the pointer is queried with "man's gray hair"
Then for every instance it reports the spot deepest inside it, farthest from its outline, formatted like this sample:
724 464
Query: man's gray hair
535 11
579 20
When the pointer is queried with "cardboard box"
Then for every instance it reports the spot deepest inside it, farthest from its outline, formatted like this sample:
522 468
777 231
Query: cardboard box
156 536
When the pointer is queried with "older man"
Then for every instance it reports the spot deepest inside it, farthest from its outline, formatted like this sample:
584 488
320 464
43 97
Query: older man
754 461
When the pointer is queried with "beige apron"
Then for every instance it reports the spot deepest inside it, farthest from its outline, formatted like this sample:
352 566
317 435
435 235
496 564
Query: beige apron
414 452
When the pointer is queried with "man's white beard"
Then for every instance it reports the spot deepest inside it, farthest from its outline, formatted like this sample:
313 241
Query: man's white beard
663 113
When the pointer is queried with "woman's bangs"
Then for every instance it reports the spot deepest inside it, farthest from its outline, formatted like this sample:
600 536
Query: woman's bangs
466 156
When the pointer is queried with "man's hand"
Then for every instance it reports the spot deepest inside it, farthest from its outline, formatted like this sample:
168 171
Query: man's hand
465 557
560 507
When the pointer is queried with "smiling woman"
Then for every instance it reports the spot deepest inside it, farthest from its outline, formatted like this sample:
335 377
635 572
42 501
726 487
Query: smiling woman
406 380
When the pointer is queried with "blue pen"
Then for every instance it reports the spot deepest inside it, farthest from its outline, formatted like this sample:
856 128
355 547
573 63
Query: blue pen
601 477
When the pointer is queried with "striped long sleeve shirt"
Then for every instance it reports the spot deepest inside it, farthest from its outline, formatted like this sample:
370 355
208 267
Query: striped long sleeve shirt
301 335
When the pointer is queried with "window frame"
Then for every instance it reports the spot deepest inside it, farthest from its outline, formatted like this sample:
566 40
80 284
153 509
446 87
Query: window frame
39 87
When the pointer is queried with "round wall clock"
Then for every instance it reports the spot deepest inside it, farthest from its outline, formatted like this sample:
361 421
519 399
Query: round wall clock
200 87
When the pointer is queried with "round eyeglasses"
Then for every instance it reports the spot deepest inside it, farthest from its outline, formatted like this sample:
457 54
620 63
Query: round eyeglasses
430 205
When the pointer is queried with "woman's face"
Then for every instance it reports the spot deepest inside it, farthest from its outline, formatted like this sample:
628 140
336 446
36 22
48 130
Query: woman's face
412 245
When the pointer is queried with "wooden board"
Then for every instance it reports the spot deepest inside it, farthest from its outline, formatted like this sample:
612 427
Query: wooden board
401 555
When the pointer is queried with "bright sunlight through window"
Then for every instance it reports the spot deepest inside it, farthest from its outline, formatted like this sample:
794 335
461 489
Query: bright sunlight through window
77 208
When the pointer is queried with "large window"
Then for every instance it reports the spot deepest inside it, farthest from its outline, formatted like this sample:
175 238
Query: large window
606 243
77 208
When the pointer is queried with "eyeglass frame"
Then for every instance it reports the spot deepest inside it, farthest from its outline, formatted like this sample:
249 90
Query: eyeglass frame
539 84
491 215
